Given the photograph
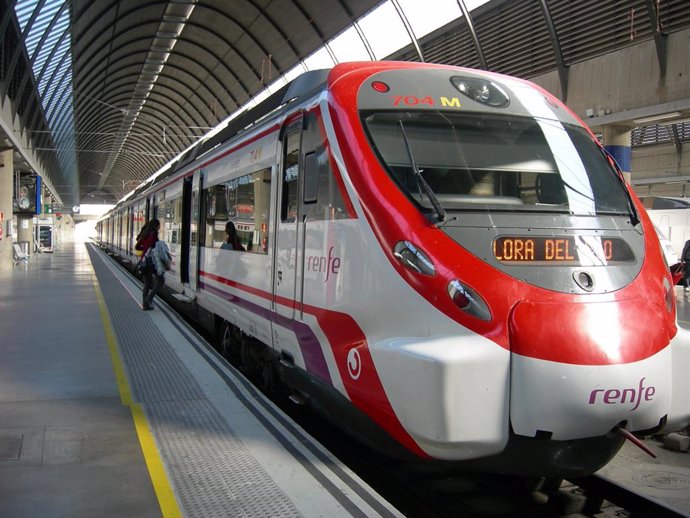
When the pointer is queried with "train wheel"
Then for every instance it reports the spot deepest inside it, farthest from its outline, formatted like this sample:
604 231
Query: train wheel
247 353
229 342
270 381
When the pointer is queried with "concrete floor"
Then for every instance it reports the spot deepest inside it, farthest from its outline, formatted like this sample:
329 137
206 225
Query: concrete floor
68 447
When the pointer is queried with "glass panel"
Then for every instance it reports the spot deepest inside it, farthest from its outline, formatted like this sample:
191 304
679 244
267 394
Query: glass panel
194 223
245 213
170 215
508 162
329 200
318 60
425 20
290 177
349 47
384 30
138 217
166 214
310 179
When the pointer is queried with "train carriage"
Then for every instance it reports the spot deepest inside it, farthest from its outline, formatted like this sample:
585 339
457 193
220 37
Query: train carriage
443 261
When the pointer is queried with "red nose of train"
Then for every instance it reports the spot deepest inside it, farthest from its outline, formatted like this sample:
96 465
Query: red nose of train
580 369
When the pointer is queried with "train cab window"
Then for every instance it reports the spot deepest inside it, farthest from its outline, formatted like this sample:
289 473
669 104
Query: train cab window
291 149
478 161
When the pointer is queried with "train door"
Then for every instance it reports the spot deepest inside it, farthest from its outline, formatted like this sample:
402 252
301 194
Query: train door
194 212
185 229
287 255
128 235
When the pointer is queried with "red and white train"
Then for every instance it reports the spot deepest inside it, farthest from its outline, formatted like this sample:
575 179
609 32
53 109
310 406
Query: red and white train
443 261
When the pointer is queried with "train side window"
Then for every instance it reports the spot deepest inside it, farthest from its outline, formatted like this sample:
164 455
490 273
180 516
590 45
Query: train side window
244 201
322 190
311 179
291 147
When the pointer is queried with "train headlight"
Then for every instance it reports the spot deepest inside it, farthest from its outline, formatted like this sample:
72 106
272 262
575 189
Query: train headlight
481 90
468 300
669 294
413 258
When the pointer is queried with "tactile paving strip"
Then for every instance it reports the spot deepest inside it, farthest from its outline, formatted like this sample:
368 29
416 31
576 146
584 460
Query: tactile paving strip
212 472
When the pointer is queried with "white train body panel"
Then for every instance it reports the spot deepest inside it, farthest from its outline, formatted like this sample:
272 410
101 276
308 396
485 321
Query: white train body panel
451 393
572 401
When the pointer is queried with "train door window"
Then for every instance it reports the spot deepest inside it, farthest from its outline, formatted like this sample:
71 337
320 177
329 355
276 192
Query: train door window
130 230
174 216
195 218
122 229
139 219
291 149
165 214
217 203
311 179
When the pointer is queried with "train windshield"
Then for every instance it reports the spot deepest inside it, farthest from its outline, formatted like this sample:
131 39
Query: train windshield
473 160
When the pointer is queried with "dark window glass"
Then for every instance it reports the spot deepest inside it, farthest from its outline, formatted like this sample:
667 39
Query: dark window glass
290 176
501 162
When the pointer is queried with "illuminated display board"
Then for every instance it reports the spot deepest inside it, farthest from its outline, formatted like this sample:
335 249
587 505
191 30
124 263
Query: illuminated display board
561 250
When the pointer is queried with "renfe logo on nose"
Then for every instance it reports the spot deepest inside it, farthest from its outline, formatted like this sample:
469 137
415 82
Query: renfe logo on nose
620 396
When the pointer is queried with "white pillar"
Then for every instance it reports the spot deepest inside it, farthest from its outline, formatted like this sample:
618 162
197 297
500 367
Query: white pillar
6 190
25 232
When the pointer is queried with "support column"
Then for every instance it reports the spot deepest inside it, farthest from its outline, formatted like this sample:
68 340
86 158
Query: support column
6 190
617 143
25 232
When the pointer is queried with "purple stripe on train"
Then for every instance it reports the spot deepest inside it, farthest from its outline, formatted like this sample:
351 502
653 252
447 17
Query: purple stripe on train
314 359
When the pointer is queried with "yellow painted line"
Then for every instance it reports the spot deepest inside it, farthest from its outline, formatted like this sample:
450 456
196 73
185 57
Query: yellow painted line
154 463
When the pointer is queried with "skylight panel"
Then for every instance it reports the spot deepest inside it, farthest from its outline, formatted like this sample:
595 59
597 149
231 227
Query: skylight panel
348 46
384 30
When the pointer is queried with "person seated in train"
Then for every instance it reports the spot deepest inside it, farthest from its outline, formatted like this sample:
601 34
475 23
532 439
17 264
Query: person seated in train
232 241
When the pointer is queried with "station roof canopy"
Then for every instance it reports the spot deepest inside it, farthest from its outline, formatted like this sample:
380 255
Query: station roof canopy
98 95
125 86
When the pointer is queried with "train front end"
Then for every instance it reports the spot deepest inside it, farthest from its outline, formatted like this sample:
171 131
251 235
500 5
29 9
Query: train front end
549 311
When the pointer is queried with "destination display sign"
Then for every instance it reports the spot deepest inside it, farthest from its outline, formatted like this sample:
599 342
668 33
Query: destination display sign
575 250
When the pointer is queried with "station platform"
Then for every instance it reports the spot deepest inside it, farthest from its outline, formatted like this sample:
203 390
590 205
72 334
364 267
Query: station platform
110 411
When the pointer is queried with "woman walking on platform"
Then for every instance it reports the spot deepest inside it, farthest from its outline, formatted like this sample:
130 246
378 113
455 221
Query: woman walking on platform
146 240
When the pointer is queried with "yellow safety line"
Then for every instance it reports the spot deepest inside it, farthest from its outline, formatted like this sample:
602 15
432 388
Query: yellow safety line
154 463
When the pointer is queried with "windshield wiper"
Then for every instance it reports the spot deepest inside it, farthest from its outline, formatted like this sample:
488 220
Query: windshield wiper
634 217
421 182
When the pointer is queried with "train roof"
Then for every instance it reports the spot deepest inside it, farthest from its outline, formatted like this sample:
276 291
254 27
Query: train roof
300 88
